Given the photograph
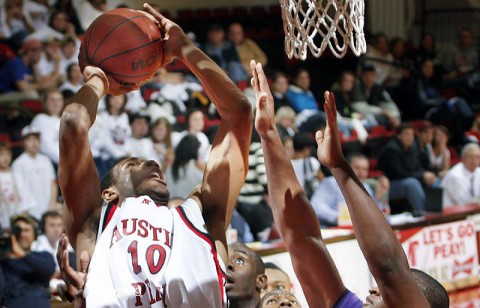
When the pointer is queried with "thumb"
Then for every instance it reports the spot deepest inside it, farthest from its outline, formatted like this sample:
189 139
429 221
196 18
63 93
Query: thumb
84 261
319 137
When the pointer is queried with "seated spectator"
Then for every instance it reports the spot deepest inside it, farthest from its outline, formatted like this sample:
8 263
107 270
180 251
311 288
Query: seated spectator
241 227
27 273
285 120
49 65
216 44
426 50
74 81
239 54
306 167
108 135
245 277
299 93
461 184
462 58
328 196
162 142
473 134
439 152
69 55
36 12
17 78
58 27
186 171
279 90
67 7
14 23
38 172
279 298
380 57
400 161
88 10
195 124
424 142
15 196
52 229
370 98
402 66
48 124
139 144
277 279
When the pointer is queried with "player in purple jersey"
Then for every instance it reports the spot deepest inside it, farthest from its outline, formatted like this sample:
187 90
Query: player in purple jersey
398 286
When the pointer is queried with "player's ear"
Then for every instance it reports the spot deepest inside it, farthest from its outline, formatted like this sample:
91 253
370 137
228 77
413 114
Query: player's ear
111 195
261 282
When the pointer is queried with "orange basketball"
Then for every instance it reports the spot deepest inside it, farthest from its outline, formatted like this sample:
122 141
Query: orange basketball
125 44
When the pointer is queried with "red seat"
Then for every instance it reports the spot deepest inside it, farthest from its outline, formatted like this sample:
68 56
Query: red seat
5 138
32 104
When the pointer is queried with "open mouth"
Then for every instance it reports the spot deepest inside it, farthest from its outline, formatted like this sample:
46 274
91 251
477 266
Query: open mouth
230 282
156 176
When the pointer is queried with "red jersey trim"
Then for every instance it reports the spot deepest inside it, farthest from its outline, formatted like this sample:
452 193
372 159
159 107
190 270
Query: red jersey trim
111 208
221 276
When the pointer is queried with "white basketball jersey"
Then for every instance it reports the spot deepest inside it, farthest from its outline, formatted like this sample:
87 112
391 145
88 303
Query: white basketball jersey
152 256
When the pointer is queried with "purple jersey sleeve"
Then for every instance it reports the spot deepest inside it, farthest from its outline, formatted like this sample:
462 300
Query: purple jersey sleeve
348 300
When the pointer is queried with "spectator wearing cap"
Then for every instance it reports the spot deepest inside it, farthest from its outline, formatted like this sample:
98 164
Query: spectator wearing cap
370 98
38 172
139 144
27 273
17 78
15 197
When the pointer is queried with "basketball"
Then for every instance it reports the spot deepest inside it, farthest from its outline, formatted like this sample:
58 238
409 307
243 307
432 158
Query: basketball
125 44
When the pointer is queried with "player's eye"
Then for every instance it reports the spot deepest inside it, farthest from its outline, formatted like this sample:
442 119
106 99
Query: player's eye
271 301
293 302
239 261
279 287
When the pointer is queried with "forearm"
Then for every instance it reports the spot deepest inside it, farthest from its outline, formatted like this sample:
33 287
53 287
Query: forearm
230 102
377 241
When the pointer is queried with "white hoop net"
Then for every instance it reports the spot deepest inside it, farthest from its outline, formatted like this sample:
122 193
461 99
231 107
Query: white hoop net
317 24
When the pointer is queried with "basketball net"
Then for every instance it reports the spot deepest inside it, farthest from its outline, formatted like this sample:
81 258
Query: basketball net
317 24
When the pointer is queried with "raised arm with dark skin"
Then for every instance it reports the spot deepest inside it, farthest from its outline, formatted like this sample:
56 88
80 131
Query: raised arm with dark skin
298 224
382 250
293 214
227 164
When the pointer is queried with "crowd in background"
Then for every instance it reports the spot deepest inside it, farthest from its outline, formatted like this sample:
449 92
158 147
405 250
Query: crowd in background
407 115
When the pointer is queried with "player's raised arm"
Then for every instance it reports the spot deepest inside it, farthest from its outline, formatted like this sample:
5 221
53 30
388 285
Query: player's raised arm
227 165
293 214
77 173
383 252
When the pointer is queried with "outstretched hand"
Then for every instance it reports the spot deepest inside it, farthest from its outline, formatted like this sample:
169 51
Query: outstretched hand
329 150
74 280
173 36
265 112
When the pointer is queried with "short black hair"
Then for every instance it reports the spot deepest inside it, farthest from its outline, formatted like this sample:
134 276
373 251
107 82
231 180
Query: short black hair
435 293
272 265
48 214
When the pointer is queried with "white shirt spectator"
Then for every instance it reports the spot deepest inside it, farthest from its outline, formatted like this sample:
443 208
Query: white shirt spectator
460 186
311 173
37 14
189 176
86 13
39 174
109 134
49 127
15 197
141 148
203 151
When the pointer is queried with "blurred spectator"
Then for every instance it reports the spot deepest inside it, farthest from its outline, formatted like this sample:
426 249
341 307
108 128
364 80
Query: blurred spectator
241 227
15 196
299 93
306 167
402 67
36 12
27 273
69 54
279 90
52 228
400 161
473 134
139 144
216 44
380 57
162 142
277 279
186 171
67 7
17 77
328 196
38 172
285 121
195 124
15 25
48 124
135 102
461 184
74 81
463 57
49 65
58 27
370 98
424 140
426 50
88 10
439 152
243 50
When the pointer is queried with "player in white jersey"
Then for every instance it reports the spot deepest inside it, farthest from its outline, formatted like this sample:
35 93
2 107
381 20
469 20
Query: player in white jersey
143 253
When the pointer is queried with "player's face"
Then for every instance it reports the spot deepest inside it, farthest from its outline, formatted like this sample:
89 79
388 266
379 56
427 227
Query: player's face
374 299
276 280
279 299
241 272
137 177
